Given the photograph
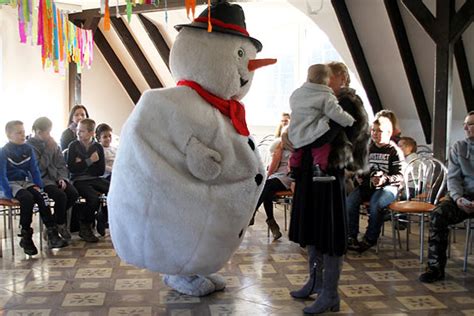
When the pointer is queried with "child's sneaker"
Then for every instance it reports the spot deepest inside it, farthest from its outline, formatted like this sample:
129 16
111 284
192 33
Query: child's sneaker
320 176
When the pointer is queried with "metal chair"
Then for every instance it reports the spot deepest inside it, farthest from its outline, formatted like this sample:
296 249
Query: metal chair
424 184
284 198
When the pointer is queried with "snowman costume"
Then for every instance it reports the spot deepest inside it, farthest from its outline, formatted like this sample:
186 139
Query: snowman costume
187 175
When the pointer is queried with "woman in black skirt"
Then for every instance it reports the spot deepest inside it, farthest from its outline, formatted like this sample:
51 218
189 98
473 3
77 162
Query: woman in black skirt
318 218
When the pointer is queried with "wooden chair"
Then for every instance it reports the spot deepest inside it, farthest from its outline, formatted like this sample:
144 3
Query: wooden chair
284 198
424 184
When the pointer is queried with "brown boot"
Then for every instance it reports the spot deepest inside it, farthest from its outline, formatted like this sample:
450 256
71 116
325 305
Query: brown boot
274 228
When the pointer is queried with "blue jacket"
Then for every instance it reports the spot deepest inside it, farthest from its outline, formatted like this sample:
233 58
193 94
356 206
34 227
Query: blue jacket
18 163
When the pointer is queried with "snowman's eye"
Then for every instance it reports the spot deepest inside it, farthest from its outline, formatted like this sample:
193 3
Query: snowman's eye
241 52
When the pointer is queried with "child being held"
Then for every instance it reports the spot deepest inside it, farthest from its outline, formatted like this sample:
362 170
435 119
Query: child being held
20 179
103 133
313 105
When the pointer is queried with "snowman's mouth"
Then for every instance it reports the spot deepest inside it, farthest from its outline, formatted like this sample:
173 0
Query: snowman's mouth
243 82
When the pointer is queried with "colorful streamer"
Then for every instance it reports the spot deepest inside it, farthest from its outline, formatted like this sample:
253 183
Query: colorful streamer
61 41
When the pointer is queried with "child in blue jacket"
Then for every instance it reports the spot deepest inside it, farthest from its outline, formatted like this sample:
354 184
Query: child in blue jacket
20 179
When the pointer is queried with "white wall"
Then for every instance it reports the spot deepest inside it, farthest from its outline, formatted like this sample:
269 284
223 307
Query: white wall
26 90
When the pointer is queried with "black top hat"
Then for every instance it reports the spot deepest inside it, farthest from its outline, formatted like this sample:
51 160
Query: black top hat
225 18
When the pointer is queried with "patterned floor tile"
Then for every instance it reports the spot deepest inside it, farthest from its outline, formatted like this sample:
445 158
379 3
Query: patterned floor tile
24 312
130 311
384 276
464 299
257 268
133 284
100 253
93 273
445 287
375 305
44 286
84 299
288 257
360 290
421 302
172 297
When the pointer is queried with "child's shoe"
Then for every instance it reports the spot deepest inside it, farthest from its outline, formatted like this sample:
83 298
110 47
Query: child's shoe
320 176
26 242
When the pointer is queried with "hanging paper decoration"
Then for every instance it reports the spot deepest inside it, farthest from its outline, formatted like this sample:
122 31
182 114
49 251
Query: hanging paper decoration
61 41
190 6
132 3
105 10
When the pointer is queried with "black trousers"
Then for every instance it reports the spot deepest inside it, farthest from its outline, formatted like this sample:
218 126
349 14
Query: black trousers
90 191
272 186
63 200
27 198
445 214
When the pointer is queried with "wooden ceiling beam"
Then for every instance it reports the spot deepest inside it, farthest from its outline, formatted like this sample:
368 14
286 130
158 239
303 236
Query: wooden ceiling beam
157 39
423 15
461 20
409 65
137 55
350 34
464 75
117 66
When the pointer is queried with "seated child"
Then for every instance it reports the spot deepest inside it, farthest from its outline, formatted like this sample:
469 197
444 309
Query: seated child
54 172
103 133
313 105
86 163
20 178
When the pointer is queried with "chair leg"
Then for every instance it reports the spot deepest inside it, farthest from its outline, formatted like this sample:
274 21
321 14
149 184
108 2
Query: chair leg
466 246
394 236
10 223
285 209
422 232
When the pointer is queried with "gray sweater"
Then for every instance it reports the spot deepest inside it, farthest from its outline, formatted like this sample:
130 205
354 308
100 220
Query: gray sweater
461 170
50 160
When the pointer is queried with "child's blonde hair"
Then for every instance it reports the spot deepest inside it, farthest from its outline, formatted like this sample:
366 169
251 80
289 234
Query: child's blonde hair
319 73
338 68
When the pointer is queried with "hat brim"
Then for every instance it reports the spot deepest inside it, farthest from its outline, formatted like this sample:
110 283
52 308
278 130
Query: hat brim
215 28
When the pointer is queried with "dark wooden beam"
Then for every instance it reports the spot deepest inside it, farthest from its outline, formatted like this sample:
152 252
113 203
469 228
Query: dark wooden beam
464 75
443 79
157 39
423 15
117 67
170 5
91 24
137 55
461 20
357 53
409 64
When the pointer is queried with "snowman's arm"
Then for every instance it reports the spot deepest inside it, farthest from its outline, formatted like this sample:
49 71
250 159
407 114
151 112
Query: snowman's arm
203 162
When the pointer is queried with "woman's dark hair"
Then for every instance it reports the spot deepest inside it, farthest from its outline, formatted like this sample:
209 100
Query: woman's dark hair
102 128
42 124
74 109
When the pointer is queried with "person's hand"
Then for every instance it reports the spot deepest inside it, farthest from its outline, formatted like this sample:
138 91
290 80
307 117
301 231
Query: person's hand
377 179
37 188
94 157
78 160
62 184
465 205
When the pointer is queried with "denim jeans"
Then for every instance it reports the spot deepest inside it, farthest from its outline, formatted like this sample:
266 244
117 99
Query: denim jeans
379 200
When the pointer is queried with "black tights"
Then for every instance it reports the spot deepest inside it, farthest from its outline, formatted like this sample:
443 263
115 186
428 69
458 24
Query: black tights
272 186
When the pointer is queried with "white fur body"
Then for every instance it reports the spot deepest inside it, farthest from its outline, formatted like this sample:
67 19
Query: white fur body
183 187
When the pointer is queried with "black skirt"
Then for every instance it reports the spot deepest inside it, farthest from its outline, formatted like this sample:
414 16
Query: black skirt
318 215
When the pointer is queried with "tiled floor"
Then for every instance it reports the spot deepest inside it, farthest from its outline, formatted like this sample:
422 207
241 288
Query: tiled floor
89 279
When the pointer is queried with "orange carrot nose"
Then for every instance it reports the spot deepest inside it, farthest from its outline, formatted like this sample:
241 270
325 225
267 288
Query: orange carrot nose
257 63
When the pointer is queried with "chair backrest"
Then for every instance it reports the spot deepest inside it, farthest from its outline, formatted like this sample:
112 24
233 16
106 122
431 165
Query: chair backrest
264 149
425 179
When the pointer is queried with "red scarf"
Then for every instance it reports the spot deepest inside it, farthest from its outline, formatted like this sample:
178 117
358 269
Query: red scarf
230 108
